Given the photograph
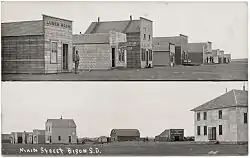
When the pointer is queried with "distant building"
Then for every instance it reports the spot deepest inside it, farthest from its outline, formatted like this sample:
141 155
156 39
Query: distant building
38 136
17 138
171 135
6 138
39 46
103 139
181 47
200 53
227 58
139 34
221 55
61 131
125 135
27 137
164 52
223 119
215 55
101 50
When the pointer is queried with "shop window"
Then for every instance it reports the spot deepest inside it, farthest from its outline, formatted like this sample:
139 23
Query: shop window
53 55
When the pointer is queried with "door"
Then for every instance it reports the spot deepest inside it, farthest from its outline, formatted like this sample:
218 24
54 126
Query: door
113 57
19 140
69 139
178 55
147 58
213 133
65 56
176 138
49 139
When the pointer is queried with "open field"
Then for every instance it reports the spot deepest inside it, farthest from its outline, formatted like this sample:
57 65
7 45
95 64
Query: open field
127 148
232 71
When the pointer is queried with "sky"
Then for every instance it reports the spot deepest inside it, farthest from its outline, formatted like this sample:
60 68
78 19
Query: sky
98 107
223 23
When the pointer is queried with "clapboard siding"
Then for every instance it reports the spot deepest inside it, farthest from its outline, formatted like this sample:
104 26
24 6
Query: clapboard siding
133 51
23 54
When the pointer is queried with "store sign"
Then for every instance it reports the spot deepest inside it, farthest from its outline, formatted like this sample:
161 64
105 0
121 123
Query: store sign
49 21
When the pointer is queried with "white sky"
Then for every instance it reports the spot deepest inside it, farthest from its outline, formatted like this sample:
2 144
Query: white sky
98 107
223 23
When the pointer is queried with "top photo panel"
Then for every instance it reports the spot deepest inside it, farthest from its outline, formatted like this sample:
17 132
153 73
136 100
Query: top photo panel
91 41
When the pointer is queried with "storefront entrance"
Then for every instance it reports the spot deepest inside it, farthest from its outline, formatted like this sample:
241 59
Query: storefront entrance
65 57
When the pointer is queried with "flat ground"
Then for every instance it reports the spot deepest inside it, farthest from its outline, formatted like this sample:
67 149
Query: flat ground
233 71
130 149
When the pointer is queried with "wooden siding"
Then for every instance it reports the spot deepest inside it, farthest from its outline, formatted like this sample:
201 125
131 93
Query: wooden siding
161 58
62 34
133 51
23 54
196 57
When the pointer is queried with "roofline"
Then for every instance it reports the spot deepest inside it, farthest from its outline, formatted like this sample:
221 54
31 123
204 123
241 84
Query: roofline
220 108
112 21
57 18
21 21
145 19
91 43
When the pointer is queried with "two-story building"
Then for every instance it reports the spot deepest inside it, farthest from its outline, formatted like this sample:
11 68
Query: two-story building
223 119
139 34
60 131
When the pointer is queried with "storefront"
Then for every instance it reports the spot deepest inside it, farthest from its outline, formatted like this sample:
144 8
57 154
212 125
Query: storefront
41 46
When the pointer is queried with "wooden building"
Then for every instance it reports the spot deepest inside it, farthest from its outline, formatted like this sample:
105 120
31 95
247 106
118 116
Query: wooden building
27 137
164 52
60 131
41 46
139 34
200 53
100 50
215 55
103 139
181 47
125 135
223 119
38 136
227 58
171 135
221 56
17 138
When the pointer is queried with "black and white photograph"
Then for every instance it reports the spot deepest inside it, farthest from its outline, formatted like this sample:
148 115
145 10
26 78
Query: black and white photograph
129 119
124 40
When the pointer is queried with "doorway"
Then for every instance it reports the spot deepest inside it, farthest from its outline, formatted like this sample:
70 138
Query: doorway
50 139
19 140
113 57
69 139
176 138
65 56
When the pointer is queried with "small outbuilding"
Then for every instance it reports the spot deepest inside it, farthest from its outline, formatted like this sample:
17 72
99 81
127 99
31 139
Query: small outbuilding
171 135
125 135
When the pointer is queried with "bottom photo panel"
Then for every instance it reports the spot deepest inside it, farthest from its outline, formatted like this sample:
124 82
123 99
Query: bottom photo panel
124 118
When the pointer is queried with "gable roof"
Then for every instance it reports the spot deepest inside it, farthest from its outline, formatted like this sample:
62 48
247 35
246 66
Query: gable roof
22 28
62 123
91 38
127 26
125 132
230 99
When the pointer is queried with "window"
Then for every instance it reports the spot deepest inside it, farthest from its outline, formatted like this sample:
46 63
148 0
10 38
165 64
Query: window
198 130
220 114
53 55
220 129
205 130
144 37
245 117
205 115
122 55
143 51
149 37
59 138
198 116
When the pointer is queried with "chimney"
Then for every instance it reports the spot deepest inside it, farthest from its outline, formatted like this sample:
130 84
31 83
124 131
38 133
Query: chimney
80 33
98 19
61 117
130 17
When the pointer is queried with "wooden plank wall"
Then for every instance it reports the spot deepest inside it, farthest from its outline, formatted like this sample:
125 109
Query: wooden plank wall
23 54
133 51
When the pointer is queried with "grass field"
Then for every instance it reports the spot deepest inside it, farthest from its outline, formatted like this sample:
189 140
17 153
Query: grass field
233 71
127 148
